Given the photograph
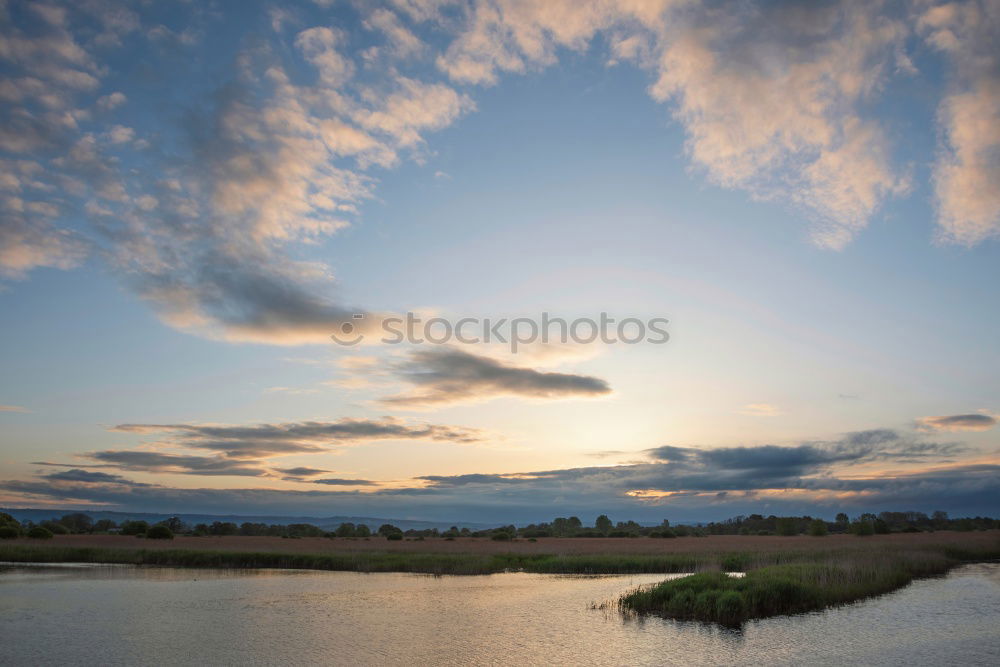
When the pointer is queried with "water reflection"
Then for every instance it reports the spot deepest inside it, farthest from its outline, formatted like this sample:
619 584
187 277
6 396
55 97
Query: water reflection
124 615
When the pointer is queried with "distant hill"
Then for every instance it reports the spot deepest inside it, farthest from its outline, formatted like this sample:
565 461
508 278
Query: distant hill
326 523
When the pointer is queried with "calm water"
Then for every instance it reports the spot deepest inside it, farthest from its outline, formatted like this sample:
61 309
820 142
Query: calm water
120 615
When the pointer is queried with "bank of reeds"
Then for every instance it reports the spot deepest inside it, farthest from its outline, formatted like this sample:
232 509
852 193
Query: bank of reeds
775 583
795 587
431 563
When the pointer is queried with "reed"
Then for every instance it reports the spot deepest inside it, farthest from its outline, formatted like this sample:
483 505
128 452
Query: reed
794 587
776 582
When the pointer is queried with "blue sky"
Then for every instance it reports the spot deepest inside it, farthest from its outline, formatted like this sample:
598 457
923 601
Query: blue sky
195 197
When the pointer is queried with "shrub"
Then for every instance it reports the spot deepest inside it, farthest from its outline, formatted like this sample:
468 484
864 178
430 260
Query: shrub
104 526
304 530
500 536
817 528
159 532
55 528
387 529
40 533
134 527
786 526
8 532
863 528
223 528
395 536
77 523
346 529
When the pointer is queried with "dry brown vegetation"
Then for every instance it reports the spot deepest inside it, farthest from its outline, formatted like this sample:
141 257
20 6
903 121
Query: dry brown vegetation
546 545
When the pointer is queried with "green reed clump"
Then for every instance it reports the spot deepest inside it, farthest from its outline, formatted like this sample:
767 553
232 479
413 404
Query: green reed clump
783 589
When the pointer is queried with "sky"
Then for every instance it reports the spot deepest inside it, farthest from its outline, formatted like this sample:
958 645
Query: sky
213 213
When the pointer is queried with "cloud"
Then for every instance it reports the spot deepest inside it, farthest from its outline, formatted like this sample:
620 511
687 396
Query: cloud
266 440
771 95
175 463
695 479
681 482
450 376
300 473
414 107
511 36
403 42
970 422
29 241
119 134
88 477
332 481
760 410
206 232
968 165
111 101
215 230
771 99
13 408
809 458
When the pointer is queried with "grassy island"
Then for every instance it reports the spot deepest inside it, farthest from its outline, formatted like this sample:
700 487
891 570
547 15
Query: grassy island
792 588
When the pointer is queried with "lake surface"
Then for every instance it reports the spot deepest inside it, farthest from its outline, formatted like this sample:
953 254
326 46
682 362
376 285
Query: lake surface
117 615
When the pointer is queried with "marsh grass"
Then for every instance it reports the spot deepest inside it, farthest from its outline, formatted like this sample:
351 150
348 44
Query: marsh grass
431 563
776 582
794 587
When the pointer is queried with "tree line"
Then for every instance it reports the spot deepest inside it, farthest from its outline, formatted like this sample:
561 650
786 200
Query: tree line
754 524
78 523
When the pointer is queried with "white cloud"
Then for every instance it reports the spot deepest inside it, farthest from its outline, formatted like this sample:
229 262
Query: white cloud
319 46
119 134
967 171
770 96
760 410
28 241
111 101
413 108
404 43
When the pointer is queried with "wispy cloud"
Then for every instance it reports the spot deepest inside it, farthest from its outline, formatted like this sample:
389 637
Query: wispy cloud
968 166
264 440
337 481
970 422
771 96
13 408
813 477
760 410
176 463
302 471
89 477
776 101
450 375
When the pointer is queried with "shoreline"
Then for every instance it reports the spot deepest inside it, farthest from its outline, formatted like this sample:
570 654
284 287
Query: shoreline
781 576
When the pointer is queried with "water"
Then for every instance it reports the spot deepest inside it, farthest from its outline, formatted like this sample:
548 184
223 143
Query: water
116 615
